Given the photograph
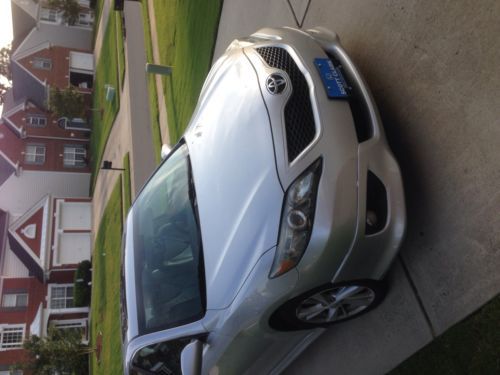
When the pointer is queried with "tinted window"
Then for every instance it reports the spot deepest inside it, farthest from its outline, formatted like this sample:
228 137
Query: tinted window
168 257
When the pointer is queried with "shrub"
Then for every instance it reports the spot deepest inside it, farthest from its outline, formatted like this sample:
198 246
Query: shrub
83 276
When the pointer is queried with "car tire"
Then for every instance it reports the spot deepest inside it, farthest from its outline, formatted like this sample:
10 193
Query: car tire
329 304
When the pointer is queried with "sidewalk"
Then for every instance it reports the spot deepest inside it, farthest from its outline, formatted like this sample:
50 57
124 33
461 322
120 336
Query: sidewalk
131 130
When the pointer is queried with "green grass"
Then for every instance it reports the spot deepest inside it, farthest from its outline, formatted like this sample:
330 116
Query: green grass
186 38
99 4
153 94
127 195
470 347
120 45
105 309
104 112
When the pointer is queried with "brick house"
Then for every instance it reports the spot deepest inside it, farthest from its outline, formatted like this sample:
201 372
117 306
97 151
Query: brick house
38 256
45 209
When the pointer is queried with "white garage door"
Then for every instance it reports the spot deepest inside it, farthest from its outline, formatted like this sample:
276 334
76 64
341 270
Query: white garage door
75 215
73 248
79 61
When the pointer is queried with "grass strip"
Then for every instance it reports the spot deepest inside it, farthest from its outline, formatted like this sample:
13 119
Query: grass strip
470 347
99 4
104 112
105 308
120 45
153 94
186 37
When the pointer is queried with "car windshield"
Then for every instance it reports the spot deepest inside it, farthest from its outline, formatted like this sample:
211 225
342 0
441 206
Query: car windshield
168 253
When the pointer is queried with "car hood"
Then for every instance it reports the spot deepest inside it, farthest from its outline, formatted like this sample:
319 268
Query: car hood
238 191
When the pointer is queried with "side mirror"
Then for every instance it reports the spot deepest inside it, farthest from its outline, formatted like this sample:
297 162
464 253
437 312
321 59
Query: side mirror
165 150
191 358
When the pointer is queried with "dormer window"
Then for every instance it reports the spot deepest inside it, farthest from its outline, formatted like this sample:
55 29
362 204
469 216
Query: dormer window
42 63
36 121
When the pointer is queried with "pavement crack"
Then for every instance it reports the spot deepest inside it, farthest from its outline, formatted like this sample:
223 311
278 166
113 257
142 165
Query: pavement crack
419 299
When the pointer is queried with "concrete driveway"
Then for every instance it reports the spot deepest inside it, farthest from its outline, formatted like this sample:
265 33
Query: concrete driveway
434 70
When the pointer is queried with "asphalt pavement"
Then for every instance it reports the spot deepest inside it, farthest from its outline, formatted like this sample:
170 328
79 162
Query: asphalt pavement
433 69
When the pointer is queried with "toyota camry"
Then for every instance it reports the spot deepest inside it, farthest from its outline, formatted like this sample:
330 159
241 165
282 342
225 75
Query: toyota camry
277 214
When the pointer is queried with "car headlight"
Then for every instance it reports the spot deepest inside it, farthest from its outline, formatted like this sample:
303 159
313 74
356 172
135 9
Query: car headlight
296 220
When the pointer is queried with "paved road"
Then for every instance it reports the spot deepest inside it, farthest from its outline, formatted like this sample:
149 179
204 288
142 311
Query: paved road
433 68
143 161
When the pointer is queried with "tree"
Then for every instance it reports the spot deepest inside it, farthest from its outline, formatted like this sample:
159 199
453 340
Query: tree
70 9
5 73
61 352
67 103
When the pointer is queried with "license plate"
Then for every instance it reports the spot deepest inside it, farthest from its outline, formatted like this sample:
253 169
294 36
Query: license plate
333 80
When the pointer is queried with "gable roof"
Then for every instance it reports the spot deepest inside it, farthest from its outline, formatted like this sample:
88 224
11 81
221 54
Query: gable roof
28 237
55 35
25 85
6 168
24 15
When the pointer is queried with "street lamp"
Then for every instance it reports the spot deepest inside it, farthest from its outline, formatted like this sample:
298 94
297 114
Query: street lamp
108 165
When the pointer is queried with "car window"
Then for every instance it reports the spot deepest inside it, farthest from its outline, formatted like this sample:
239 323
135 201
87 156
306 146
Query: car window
162 358
168 259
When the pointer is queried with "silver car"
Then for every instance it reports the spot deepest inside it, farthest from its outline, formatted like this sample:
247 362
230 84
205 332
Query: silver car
277 214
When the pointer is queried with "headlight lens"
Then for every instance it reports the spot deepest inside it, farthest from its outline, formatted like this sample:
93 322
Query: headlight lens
296 220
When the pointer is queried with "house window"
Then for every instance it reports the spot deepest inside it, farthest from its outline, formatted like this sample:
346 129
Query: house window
41 63
83 19
49 15
74 156
15 300
11 336
34 154
61 297
36 121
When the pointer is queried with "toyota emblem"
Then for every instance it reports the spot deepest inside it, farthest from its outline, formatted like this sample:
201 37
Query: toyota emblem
275 83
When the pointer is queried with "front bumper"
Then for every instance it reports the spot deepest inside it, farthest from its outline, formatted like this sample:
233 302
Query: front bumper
341 247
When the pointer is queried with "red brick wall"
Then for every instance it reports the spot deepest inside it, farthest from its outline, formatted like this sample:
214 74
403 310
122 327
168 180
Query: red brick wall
50 130
58 75
36 295
62 277
14 147
11 357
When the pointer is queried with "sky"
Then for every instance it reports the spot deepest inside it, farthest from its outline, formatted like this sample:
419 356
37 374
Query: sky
5 26
5 23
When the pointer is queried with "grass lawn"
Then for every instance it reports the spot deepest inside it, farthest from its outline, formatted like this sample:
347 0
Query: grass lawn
120 46
104 112
127 195
99 4
105 309
186 37
153 95
470 347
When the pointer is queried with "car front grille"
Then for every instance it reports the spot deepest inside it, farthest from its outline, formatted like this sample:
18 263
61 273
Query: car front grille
359 108
300 128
